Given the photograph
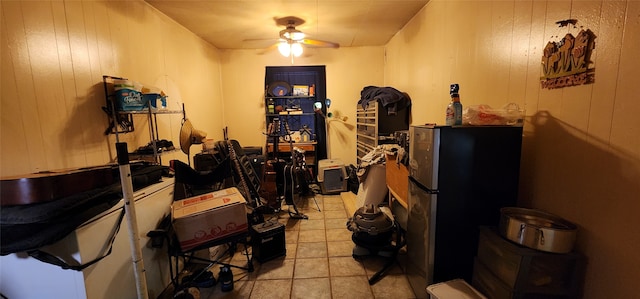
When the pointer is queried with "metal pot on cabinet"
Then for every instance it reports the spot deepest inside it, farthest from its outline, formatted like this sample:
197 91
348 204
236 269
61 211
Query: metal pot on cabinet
537 229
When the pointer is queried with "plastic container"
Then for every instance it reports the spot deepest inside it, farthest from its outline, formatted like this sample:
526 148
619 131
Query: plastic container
151 99
129 95
332 176
453 289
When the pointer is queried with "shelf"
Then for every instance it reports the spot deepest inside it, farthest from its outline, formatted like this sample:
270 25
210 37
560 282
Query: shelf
122 122
290 97
146 111
151 157
284 149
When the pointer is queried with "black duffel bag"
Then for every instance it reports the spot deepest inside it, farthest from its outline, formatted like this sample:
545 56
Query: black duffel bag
27 228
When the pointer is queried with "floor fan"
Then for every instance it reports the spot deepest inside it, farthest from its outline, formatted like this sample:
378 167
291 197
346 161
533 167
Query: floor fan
190 136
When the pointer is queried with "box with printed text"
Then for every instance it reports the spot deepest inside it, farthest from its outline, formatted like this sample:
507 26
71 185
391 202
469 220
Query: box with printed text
209 217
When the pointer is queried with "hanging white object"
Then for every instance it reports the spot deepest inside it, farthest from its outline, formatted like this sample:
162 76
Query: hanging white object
132 223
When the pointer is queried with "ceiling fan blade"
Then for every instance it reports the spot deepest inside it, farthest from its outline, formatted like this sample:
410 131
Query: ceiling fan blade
259 43
269 48
319 43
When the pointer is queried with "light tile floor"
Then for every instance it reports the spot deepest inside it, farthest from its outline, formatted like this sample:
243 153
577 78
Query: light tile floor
318 262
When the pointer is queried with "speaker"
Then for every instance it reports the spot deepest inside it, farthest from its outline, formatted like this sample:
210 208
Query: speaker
267 240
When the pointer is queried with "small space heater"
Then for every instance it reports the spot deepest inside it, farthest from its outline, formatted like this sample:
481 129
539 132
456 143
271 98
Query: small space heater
332 176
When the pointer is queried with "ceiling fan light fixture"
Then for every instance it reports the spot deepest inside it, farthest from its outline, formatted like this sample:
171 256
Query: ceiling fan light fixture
295 35
284 48
296 49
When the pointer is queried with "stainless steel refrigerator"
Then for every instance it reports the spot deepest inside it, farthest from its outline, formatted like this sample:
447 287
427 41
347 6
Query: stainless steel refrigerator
459 178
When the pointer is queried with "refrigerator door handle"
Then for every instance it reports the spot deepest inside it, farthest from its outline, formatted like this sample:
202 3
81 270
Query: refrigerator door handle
423 187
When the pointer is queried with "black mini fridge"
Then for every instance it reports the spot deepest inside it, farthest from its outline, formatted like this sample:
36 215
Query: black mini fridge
459 178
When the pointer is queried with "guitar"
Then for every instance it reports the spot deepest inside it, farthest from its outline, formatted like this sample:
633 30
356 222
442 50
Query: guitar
46 186
295 181
269 175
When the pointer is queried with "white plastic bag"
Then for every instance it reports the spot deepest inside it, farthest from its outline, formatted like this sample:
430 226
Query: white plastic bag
483 115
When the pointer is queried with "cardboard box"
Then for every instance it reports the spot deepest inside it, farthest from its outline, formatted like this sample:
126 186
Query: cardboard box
209 217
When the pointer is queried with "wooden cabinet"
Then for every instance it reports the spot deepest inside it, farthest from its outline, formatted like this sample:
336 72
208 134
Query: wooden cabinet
397 177
309 150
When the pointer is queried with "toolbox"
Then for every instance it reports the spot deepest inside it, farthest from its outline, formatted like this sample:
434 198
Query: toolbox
268 241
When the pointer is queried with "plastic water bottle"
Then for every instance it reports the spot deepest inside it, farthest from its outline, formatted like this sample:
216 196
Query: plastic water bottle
226 279
454 109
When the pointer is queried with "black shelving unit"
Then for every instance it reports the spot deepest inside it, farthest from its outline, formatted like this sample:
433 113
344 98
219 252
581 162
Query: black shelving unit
305 116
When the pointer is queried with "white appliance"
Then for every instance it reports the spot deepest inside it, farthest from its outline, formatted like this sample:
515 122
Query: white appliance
459 178
112 277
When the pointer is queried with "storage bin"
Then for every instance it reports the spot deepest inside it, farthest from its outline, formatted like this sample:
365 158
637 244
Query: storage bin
487 283
453 289
129 96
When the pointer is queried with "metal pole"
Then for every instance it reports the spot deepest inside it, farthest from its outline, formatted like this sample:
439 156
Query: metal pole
130 214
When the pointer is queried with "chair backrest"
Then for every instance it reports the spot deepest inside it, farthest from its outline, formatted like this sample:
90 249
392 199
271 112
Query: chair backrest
190 182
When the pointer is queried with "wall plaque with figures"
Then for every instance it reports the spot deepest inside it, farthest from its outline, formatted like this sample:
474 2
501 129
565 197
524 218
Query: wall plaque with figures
566 62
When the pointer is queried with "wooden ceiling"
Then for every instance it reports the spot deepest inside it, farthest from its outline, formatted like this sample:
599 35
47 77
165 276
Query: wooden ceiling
252 24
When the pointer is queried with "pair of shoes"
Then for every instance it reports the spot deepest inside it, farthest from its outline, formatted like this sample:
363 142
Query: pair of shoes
226 279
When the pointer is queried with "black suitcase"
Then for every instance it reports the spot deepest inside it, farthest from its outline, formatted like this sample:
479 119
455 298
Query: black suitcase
268 241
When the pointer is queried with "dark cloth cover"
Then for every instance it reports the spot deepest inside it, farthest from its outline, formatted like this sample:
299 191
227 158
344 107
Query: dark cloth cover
390 98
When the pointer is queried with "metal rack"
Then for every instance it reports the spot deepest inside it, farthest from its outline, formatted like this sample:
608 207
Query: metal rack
122 122
375 127
367 132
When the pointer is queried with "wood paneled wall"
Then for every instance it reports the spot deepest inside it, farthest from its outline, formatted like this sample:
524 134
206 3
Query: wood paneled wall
581 151
54 54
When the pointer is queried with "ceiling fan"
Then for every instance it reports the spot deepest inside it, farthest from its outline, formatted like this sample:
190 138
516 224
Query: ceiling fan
291 39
